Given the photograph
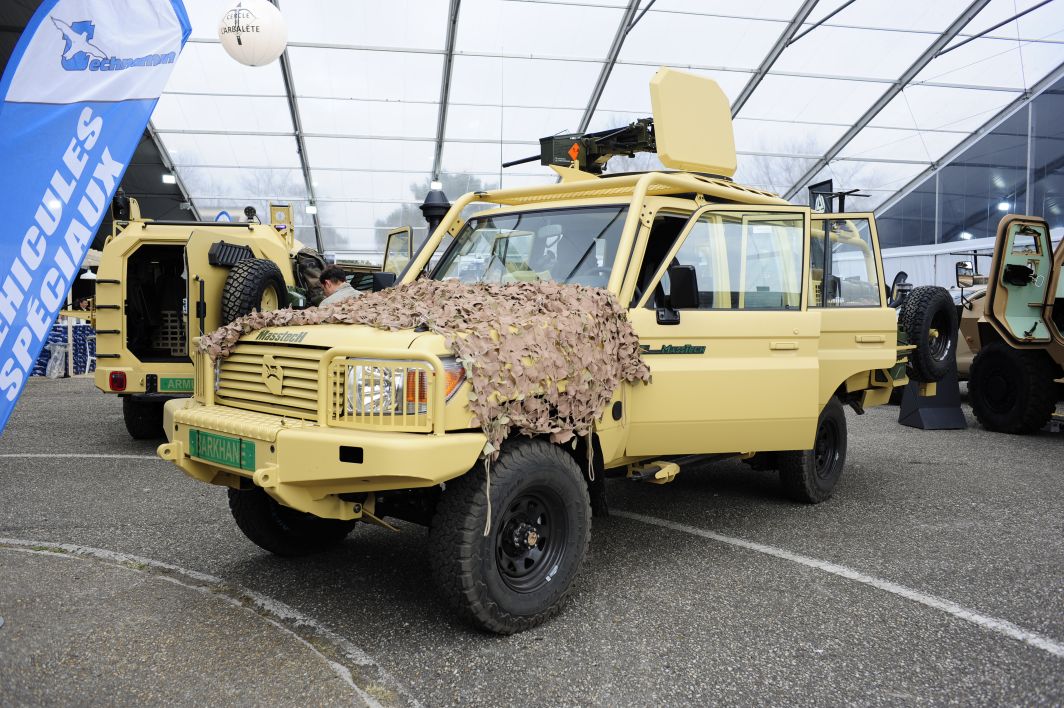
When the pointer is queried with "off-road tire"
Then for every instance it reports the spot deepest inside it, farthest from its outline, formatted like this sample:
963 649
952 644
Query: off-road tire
144 419
245 285
281 530
477 574
930 308
810 476
1012 391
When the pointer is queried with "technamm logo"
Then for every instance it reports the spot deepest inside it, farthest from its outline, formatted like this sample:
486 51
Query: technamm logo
81 54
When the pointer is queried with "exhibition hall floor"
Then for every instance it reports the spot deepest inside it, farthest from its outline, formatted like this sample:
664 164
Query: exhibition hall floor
935 574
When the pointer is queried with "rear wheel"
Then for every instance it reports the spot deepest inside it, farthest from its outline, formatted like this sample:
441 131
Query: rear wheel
519 575
254 284
281 530
143 418
810 476
1012 391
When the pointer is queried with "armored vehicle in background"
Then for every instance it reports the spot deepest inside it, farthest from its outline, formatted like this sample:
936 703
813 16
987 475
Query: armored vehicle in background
1013 329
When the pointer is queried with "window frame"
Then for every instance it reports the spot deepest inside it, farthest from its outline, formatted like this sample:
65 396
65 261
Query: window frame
877 258
754 210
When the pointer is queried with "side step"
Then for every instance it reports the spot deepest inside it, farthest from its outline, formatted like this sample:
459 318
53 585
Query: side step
657 472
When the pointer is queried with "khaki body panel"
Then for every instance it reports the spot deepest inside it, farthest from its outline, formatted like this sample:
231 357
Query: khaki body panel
714 401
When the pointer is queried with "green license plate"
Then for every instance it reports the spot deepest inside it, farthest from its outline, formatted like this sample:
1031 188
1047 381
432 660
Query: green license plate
222 449
175 384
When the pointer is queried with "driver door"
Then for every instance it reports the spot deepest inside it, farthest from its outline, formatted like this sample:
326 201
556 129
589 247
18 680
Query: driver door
739 372
1022 283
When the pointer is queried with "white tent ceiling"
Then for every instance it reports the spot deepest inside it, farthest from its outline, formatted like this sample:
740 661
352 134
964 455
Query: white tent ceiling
385 96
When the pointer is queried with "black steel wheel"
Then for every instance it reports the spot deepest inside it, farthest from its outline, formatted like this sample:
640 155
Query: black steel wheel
519 575
810 476
531 539
1012 391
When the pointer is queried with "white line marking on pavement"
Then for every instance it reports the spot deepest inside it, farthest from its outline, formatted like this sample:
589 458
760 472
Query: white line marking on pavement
1000 626
81 455
273 611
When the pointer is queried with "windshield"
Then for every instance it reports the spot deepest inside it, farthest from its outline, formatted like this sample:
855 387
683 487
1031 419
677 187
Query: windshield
562 245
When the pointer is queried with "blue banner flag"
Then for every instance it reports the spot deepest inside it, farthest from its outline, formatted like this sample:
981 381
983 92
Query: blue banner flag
74 101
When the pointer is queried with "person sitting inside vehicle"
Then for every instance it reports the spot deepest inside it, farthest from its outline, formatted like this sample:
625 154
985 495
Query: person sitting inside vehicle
337 289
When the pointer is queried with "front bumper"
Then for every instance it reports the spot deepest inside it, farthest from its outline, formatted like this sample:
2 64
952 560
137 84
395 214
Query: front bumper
305 466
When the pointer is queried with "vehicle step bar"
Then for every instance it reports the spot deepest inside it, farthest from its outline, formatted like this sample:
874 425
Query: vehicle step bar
658 472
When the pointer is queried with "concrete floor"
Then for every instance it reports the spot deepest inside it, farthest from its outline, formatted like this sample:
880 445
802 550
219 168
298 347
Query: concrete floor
935 575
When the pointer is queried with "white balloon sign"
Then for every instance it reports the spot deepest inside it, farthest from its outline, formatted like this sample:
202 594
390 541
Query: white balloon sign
253 32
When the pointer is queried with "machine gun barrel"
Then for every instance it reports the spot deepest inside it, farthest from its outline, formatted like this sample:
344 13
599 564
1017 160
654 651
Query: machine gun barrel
591 151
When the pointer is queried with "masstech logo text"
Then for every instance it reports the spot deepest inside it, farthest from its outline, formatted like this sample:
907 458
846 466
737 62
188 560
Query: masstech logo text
80 53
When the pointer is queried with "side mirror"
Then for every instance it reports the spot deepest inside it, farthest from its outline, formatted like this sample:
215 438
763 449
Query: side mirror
383 281
965 274
683 290
899 289
901 294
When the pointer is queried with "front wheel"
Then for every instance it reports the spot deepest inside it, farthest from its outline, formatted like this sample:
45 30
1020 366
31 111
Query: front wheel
810 476
519 575
281 530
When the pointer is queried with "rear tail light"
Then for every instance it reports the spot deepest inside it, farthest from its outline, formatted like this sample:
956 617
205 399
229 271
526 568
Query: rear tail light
117 380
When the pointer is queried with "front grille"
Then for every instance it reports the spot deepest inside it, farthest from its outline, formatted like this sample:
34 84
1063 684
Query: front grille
242 383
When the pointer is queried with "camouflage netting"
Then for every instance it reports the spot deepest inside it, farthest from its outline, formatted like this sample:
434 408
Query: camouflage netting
541 357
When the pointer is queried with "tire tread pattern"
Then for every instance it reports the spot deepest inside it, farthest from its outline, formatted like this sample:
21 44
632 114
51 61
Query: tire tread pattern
245 284
455 540
915 319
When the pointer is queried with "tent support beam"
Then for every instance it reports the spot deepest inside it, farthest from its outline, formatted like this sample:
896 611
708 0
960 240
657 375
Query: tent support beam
784 40
445 86
896 88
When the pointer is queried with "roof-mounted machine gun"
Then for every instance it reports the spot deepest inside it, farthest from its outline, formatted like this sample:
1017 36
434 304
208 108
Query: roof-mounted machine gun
591 151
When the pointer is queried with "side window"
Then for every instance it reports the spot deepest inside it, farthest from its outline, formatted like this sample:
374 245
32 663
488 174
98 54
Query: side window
842 264
742 261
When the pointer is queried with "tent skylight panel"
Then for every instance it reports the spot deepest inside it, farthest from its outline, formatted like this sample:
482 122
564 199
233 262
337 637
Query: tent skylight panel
348 117
395 23
567 30
206 68
222 114
406 155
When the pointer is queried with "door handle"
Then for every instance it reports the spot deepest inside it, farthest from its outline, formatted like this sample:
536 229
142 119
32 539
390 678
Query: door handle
870 339
783 346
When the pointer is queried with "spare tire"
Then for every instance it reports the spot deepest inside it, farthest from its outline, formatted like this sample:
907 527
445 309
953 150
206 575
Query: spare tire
929 319
254 284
